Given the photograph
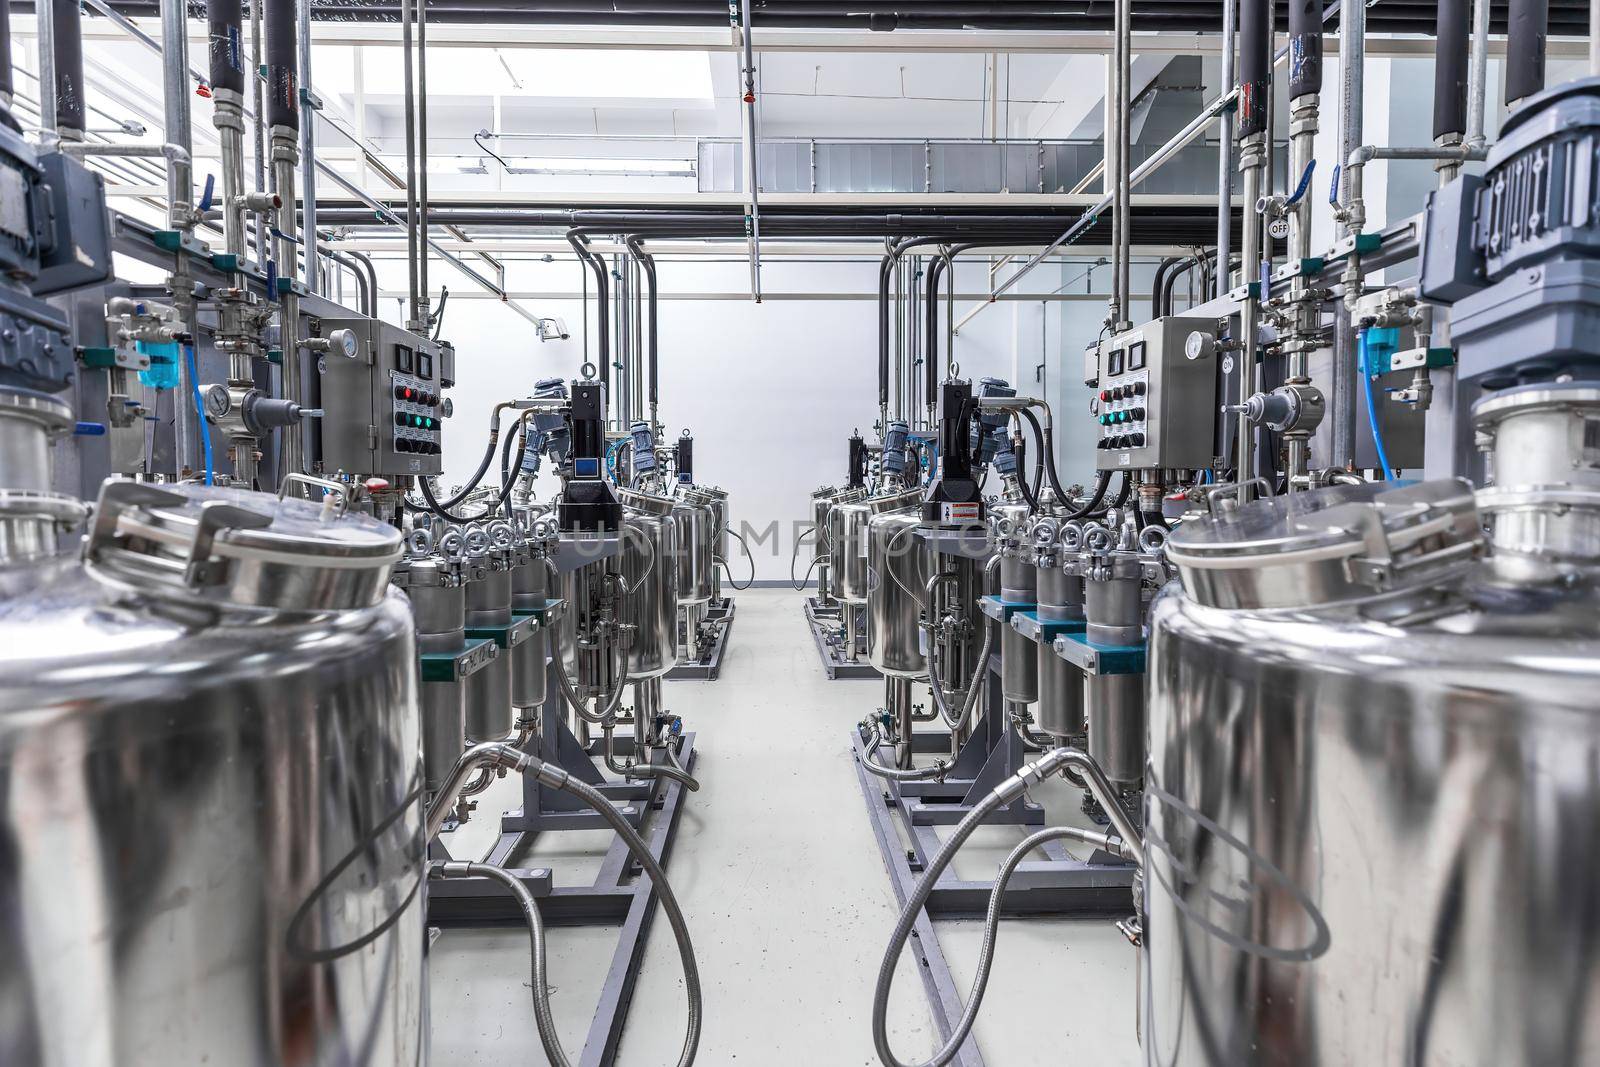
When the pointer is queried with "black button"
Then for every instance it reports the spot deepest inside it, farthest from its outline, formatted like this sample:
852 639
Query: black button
1138 440
1139 388
1138 414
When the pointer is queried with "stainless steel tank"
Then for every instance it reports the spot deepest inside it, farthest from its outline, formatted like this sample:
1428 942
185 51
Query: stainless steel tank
211 790
847 540
715 499
1019 664
488 702
1373 793
649 572
696 539
530 591
899 564
1061 704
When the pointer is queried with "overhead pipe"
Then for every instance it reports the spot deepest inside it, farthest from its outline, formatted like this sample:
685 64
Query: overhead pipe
1478 71
1450 72
1527 33
408 79
308 150
1186 16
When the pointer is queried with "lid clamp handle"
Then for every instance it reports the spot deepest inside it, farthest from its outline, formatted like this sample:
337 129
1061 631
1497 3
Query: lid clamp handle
341 492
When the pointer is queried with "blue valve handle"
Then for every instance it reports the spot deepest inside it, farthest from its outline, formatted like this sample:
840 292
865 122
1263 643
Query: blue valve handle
272 281
210 190
1333 190
89 429
1305 183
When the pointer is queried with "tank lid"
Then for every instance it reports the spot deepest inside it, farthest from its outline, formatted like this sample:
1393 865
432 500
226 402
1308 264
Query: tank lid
232 546
1332 544
648 503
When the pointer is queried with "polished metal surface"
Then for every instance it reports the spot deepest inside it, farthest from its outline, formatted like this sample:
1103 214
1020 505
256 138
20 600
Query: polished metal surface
32 515
1374 829
1543 446
898 565
847 541
530 589
1061 695
439 612
590 595
1115 706
650 603
696 538
489 716
213 826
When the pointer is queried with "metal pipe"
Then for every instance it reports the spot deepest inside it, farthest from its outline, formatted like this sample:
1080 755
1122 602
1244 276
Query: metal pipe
258 124
1450 71
408 78
1594 38
1478 72
424 292
7 82
490 754
175 92
308 147
1225 166
648 263
752 147
44 21
1342 401
1124 242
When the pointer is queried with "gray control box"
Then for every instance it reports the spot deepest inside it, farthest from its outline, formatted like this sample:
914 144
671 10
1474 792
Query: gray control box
1156 396
382 404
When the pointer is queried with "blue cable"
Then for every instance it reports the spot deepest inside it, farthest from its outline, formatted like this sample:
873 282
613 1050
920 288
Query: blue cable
1372 404
199 410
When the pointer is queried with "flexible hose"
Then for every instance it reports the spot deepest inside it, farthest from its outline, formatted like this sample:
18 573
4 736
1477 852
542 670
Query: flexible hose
443 509
1046 439
1372 405
559 779
1123 493
898 774
747 555
1101 484
1057 759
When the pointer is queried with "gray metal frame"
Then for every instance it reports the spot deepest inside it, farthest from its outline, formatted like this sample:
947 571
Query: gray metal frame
824 621
709 667
1058 886
619 893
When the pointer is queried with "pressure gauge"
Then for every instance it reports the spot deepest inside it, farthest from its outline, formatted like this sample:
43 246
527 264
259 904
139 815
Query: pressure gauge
344 343
217 402
1199 345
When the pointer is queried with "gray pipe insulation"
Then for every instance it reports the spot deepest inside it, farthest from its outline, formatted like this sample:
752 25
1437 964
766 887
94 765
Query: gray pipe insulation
225 20
1255 66
66 21
1450 69
1305 48
1526 39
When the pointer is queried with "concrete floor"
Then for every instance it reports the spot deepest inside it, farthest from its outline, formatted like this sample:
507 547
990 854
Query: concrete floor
787 901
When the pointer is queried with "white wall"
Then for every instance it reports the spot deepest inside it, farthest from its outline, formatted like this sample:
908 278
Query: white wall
770 391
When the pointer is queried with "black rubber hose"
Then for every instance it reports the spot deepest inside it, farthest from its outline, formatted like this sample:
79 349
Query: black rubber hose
1101 484
930 349
283 84
1450 69
1046 440
66 20
443 510
1526 35
1124 492
1029 496
1305 48
226 22
1255 65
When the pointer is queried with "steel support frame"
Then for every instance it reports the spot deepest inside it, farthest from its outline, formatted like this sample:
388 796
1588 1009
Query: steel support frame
826 622
619 895
905 817
708 667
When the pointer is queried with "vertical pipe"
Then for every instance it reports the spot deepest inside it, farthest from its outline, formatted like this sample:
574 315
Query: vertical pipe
1125 156
66 23
1353 61
7 86
1255 141
1478 73
1526 33
753 221
1225 167
1594 38
308 147
259 125
1450 71
408 77
175 90
424 293
44 19
283 120
225 23
1305 88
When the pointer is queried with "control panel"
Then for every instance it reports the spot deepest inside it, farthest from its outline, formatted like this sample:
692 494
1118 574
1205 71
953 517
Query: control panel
384 405
1155 401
